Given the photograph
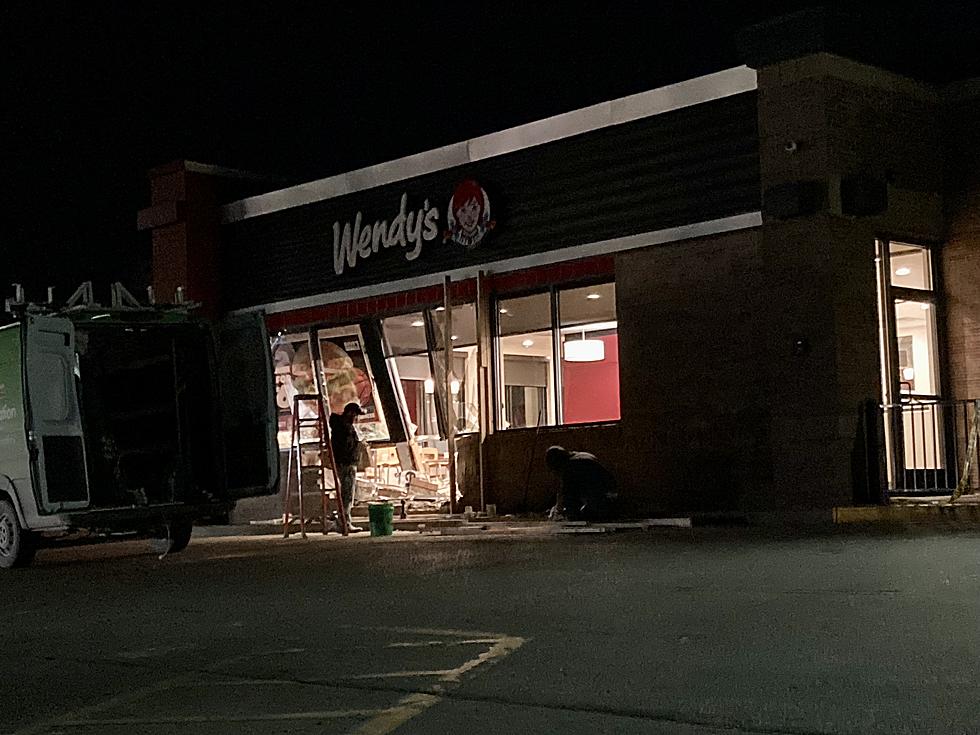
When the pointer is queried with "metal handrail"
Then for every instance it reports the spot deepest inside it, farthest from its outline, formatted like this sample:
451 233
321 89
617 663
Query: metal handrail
934 445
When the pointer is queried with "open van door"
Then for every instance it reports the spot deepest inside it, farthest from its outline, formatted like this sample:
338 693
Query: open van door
55 428
248 406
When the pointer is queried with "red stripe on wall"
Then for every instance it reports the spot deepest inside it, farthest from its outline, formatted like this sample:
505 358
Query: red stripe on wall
460 291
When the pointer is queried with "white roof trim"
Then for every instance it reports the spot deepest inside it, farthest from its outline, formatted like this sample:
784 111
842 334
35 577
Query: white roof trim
625 109
602 247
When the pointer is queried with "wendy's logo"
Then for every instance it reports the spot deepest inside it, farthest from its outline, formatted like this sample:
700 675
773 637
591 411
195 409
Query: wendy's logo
468 218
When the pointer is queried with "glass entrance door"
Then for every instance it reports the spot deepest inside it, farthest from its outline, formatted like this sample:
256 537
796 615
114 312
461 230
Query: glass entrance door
915 421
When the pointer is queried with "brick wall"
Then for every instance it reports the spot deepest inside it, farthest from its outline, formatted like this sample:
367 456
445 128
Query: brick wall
694 406
961 254
518 480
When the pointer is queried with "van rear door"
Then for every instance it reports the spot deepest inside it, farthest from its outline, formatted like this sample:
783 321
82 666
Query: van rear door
248 406
55 426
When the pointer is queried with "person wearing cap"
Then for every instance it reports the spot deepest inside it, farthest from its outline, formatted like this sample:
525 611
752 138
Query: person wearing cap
346 443
586 490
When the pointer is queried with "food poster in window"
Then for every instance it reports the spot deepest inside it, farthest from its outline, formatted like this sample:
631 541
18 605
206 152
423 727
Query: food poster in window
293 376
348 379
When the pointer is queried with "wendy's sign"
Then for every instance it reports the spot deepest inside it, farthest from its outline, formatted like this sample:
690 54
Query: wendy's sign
467 223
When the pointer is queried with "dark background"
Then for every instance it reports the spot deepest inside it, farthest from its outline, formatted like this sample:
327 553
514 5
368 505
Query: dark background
95 95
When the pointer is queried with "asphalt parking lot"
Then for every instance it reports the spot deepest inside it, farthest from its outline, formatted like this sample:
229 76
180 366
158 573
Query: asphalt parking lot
663 631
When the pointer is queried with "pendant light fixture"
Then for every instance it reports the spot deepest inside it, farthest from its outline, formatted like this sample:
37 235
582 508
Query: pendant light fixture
585 350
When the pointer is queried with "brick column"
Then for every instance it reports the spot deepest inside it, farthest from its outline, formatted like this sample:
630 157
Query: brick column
183 220
961 253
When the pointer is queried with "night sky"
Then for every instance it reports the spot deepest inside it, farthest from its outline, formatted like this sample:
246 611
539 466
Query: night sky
93 98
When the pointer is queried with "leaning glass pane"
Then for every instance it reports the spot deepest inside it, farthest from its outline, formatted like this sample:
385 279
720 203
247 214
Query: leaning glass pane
348 378
294 376
404 334
463 323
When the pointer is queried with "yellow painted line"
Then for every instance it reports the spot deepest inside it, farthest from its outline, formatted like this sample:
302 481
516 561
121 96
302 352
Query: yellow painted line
382 722
398 674
426 644
128 698
415 704
391 719
432 632
503 647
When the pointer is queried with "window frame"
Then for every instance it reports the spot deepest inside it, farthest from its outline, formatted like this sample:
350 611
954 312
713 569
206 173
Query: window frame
554 291
888 293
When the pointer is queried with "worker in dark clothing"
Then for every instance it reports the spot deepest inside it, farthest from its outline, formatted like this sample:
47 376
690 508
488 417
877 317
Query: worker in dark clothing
346 445
587 490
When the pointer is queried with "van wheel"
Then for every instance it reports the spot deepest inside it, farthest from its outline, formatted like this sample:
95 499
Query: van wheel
180 535
17 546
175 537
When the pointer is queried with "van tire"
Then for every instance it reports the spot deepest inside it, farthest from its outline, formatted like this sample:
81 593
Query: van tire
174 537
17 545
179 535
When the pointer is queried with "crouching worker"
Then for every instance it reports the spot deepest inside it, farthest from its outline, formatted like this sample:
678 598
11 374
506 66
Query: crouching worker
586 491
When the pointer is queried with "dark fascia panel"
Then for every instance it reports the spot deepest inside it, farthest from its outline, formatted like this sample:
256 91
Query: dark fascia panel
810 31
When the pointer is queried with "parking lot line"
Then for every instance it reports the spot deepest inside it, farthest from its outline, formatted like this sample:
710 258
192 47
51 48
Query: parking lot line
382 720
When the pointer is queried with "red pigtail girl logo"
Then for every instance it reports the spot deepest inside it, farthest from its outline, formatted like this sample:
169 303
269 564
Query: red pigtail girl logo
469 215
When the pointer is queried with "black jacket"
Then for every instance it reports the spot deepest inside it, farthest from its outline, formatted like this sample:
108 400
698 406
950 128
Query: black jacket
588 490
344 440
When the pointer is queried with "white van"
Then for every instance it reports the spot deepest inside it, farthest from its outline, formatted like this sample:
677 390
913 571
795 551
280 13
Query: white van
134 421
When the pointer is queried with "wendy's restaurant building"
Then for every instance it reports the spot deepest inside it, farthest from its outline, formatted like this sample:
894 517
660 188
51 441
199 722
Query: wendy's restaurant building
752 291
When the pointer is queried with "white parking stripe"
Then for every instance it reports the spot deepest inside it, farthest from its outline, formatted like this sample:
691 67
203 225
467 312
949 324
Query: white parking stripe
205 719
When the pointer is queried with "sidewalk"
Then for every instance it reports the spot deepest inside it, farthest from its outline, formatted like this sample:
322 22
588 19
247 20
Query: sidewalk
900 512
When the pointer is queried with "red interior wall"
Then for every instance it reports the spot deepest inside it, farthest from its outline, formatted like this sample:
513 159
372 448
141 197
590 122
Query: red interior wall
591 389
411 390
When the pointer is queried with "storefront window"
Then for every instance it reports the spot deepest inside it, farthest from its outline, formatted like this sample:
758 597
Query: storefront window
584 386
590 354
526 362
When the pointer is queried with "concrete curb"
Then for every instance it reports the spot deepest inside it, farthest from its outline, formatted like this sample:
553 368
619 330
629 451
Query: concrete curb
945 514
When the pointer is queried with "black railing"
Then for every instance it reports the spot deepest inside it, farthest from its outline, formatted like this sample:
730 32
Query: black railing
932 446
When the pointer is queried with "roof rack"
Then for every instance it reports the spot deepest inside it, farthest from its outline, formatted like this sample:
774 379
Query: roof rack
83 300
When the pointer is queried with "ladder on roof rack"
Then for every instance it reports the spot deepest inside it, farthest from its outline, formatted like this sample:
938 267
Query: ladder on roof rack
324 455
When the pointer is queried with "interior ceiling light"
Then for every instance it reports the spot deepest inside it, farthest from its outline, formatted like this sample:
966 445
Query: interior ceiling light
503 311
527 343
454 337
440 308
594 296
903 271
418 323
585 350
